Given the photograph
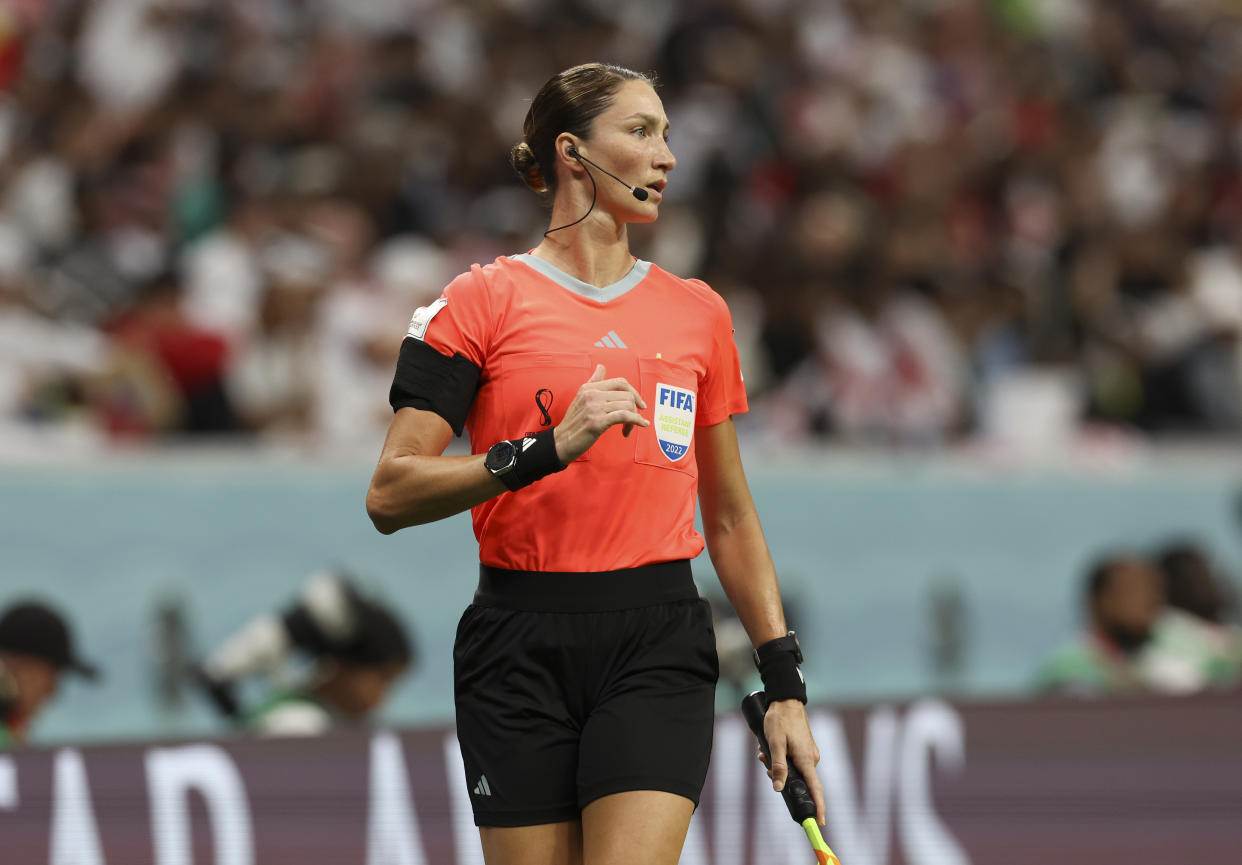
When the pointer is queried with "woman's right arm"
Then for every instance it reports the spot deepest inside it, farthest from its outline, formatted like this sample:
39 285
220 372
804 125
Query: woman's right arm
414 483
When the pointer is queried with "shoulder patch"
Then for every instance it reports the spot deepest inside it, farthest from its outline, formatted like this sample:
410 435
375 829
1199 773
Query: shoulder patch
423 316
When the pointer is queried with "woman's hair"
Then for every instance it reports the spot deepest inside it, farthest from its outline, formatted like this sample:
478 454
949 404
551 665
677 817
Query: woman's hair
569 102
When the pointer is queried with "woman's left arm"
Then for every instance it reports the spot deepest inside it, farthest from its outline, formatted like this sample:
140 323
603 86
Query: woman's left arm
743 564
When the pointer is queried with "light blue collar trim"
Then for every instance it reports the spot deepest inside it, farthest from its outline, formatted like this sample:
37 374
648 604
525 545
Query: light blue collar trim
592 292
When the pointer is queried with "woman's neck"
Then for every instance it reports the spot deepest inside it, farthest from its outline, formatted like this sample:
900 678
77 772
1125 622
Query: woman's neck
597 251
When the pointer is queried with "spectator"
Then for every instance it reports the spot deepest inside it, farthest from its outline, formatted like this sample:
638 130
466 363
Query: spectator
222 279
46 364
182 358
272 382
360 328
358 650
36 649
1196 623
894 371
1123 600
1123 649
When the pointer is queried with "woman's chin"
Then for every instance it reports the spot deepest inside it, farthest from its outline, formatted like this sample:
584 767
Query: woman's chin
644 215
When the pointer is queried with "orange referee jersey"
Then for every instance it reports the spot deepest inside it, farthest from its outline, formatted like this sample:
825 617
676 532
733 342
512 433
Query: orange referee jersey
536 333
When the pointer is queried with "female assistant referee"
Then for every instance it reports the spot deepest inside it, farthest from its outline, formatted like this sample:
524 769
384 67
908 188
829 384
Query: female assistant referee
598 391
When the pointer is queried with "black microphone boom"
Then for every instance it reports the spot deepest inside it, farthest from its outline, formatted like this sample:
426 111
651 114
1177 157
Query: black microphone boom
637 191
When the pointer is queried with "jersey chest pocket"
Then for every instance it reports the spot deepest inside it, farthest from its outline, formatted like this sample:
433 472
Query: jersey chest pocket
671 394
537 387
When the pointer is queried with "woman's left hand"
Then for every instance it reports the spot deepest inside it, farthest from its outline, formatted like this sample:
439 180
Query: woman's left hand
788 732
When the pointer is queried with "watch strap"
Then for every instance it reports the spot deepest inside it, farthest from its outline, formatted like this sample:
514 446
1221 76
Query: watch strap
787 643
535 458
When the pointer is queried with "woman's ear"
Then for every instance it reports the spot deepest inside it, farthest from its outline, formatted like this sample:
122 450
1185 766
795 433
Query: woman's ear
567 151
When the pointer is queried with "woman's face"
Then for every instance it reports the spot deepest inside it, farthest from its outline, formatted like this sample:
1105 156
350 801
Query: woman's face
630 139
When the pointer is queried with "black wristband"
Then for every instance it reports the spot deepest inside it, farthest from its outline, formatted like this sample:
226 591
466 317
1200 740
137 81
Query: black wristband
536 458
778 662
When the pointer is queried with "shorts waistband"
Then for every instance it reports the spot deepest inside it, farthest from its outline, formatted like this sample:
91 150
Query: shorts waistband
586 591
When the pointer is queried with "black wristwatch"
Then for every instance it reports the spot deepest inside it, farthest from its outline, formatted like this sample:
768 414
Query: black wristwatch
787 643
501 460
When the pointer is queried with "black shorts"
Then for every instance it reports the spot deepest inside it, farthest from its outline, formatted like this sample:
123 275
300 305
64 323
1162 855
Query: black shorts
570 687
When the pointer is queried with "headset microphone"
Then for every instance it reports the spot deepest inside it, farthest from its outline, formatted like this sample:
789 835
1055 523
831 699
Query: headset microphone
637 191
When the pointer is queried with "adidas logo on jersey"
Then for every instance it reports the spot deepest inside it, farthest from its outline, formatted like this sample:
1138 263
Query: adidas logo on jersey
482 788
611 341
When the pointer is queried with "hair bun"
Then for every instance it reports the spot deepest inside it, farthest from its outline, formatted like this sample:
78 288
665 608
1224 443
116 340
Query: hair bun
523 160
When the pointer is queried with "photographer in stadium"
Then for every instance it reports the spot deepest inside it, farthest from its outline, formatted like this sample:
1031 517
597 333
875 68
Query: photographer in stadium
36 649
358 649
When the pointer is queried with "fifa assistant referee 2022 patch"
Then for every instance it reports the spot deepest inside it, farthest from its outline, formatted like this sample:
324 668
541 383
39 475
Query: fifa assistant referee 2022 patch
674 419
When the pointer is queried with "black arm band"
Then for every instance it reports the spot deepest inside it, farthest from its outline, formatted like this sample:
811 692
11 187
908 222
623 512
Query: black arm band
535 460
778 667
428 380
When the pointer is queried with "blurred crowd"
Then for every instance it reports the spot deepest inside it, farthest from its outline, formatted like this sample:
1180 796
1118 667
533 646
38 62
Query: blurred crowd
935 220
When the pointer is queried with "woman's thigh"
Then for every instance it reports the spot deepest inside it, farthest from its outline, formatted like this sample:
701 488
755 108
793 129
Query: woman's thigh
647 826
545 844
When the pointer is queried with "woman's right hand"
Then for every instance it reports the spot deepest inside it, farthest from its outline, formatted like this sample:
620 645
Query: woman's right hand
598 404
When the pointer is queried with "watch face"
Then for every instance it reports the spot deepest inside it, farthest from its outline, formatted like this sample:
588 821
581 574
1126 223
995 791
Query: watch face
500 456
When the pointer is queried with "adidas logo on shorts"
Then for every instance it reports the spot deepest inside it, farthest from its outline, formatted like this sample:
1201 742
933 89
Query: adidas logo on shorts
482 788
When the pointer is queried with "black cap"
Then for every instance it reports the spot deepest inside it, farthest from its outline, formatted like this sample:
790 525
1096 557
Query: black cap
32 628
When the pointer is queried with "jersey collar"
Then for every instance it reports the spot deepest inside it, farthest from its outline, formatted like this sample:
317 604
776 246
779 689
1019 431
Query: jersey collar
592 292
